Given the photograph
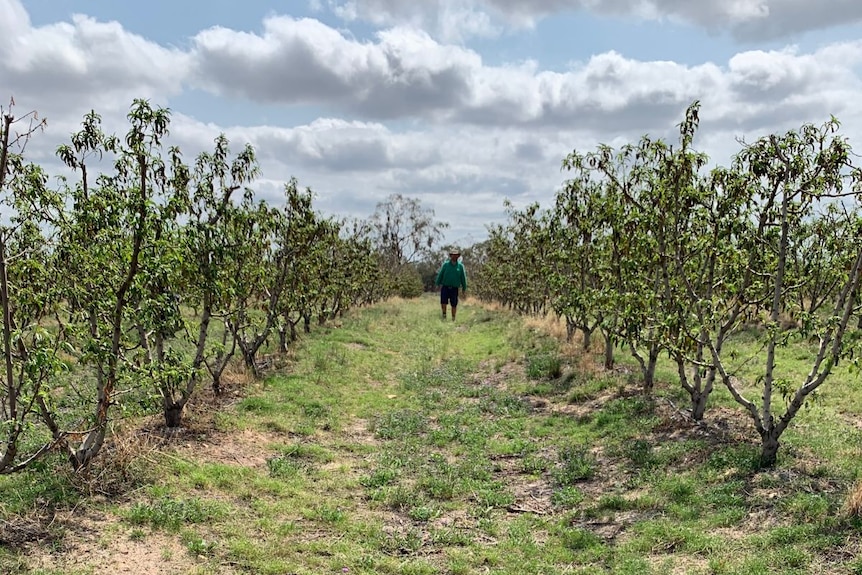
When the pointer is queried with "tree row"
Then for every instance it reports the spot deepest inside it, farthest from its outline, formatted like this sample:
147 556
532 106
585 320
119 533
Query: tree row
662 255
141 276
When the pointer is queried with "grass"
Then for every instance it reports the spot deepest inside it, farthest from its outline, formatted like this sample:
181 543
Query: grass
397 443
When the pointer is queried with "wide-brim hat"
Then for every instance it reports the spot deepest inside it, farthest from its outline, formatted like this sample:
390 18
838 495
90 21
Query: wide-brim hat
454 252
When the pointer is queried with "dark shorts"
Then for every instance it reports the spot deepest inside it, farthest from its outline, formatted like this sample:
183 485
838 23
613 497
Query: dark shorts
449 295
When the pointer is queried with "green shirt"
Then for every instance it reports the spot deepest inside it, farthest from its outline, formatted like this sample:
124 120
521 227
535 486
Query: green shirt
452 275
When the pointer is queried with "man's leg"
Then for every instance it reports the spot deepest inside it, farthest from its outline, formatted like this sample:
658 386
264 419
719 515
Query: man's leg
443 306
454 302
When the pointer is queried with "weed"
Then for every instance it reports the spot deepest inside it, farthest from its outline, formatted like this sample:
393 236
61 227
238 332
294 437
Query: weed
532 464
379 478
678 488
614 502
544 366
639 452
741 460
171 514
669 537
576 464
399 543
515 447
588 387
493 496
423 513
328 514
315 410
725 496
567 497
197 545
442 437
137 535
399 424
502 404
441 487
853 503
258 405
400 498
579 539
283 467
788 535
451 537
806 507
47 484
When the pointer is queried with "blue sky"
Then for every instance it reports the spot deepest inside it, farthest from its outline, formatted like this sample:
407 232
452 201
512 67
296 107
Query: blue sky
460 103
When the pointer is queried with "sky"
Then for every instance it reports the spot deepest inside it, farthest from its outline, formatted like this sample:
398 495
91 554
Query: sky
461 104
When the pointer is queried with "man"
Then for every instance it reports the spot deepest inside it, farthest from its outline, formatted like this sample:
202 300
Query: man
450 277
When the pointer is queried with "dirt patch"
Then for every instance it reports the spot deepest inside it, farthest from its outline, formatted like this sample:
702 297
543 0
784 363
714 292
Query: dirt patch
532 493
357 431
246 448
489 377
102 545
24 530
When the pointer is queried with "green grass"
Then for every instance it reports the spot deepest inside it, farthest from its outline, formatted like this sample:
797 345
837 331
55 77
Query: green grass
397 443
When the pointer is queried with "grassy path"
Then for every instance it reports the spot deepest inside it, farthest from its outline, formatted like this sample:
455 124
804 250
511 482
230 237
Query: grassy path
400 443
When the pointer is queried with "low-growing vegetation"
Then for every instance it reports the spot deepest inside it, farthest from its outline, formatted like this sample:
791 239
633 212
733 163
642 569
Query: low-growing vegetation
434 447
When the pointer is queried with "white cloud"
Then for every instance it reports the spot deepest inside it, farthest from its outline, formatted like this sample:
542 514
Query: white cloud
405 73
746 19
304 61
448 20
72 67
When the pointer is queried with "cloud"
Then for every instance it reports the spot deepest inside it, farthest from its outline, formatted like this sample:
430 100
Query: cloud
745 19
337 145
449 20
64 64
406 74
299 61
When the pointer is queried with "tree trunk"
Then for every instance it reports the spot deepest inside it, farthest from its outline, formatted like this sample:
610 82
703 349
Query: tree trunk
81 457
698 404
769 448
647 366
570 329
173 414
649 376
248 356
609 352
282 339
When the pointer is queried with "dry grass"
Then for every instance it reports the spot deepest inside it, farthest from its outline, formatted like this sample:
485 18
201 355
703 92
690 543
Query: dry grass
853 503
549 324
122 466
